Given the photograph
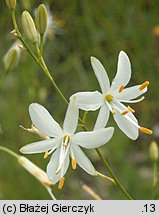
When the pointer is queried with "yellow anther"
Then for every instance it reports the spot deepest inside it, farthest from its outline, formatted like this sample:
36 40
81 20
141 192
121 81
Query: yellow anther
113 112
65 144
121 88
61 183
125 112
144 85
146 130
109 97
74 164
46 154
130 109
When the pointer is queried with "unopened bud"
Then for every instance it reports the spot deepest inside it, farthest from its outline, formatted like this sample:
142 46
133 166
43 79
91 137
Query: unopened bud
154 151
29 27
38 173
11 4
10 60
41 19
12 57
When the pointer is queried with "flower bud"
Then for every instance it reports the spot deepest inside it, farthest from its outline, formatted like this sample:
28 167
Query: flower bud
154 151
12 57
11 4
41 19
29 27
38 173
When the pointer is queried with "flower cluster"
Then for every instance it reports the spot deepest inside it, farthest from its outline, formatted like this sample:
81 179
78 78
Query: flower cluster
65 143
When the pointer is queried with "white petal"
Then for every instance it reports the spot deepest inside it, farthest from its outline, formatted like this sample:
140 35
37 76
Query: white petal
130 93
43 121
82 160
71 118
123 72
53 165
101 75
39 147
89 100
127 123
126 126
102 118
93 139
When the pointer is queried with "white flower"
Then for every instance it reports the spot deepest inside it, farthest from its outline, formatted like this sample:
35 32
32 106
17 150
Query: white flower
112 96
64 142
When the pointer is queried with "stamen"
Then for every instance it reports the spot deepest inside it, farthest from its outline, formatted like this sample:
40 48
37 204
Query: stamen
146 130
130 109
113 112
74 164
125 112
65 144
46 154
121 88
61 183
144 85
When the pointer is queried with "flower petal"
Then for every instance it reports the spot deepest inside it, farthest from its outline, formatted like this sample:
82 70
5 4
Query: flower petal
127 123
71 118
89 100
123 74
102 118
39 147
93 139
83 160
43 121
124 124
130 93
101 75
53 165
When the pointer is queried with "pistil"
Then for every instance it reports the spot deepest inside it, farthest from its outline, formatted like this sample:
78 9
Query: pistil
109 97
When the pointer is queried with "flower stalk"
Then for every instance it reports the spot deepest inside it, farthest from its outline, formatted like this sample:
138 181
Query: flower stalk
113 175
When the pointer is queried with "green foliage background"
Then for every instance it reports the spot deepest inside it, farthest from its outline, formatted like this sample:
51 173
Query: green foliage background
91 28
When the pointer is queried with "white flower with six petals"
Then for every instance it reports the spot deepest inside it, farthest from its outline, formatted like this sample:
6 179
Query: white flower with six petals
64 142
112 97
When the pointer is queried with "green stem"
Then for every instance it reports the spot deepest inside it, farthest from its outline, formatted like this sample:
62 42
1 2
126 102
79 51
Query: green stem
15 22
106 177
2 148
50 193
155 179
41 44
113 175
155 174
47 72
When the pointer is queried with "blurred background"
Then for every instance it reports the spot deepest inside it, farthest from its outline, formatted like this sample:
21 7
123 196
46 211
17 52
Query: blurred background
82 28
